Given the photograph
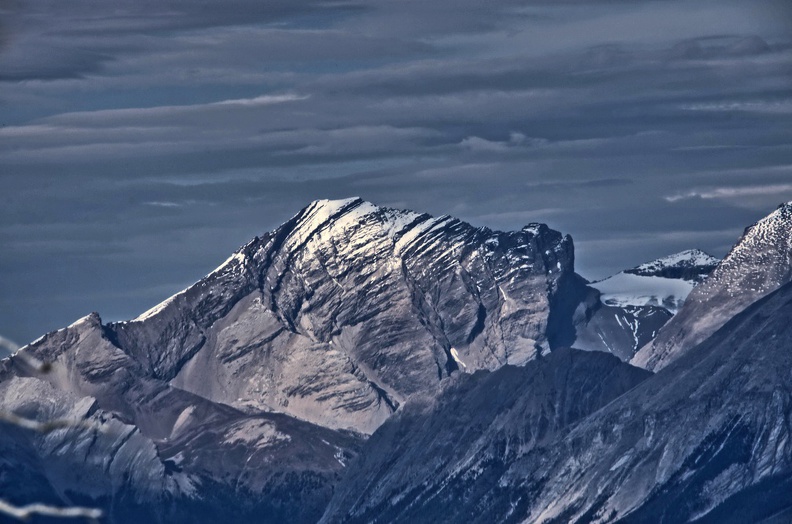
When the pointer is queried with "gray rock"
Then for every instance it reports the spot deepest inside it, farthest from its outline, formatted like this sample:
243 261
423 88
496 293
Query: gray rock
142 449
758 264
707 439
347 309
440 458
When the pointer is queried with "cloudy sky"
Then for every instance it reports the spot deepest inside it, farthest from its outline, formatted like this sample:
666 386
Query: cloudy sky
143 141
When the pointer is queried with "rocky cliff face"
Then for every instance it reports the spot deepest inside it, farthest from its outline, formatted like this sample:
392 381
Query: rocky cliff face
758 264
708 439
347 309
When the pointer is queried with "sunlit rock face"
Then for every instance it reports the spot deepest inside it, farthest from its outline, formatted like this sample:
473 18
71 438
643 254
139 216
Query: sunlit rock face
142 450
347 309
234 398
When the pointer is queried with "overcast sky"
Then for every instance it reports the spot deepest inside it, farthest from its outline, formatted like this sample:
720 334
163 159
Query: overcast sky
142 141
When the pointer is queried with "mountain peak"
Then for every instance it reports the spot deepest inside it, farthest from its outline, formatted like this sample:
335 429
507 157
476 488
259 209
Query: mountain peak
664 282
691 264
760 262
322 318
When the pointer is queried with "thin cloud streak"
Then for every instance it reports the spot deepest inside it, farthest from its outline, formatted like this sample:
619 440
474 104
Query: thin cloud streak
732 192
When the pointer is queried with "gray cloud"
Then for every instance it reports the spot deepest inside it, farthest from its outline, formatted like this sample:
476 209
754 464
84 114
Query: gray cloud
141 142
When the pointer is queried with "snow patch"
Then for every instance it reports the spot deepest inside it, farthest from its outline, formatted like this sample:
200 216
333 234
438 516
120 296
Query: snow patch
156 309
412 235
236 257
684 259
456 358
79 321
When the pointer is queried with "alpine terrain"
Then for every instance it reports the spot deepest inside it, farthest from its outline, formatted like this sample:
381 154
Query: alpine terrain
368 364
631 306
758 264
259 383
707 439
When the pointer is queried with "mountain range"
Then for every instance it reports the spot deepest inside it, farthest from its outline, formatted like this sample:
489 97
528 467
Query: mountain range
361 363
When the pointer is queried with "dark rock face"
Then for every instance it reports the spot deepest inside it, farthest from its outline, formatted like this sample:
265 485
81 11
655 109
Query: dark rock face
621 331
707 439
440 458
758 264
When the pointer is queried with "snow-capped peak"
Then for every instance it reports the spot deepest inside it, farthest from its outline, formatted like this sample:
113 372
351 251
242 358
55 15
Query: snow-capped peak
665 282
678 265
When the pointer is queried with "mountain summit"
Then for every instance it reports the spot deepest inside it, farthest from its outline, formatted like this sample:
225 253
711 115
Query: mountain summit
254 387
758 264
665 282
348 308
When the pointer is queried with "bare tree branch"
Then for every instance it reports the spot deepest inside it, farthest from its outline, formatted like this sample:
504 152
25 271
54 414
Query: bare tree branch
25 512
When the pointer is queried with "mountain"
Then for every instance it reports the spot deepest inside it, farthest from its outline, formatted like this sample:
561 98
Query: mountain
624 312
252 393
340 314
758 264
248 393
146 451
665 282
619 330
440 456
707 439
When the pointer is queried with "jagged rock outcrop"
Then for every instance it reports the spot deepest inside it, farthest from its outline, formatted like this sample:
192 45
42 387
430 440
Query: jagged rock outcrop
758 264
707 439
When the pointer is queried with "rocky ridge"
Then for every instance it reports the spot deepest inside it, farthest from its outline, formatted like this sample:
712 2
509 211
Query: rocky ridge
707 439
135 445
758 264
347 309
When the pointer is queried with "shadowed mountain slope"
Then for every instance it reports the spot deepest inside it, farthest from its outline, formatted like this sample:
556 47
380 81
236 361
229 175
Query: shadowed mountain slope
708 439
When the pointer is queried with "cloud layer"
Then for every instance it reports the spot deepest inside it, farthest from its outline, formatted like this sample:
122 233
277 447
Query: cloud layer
141 142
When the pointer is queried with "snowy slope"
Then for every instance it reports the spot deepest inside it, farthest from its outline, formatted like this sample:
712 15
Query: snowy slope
665 282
